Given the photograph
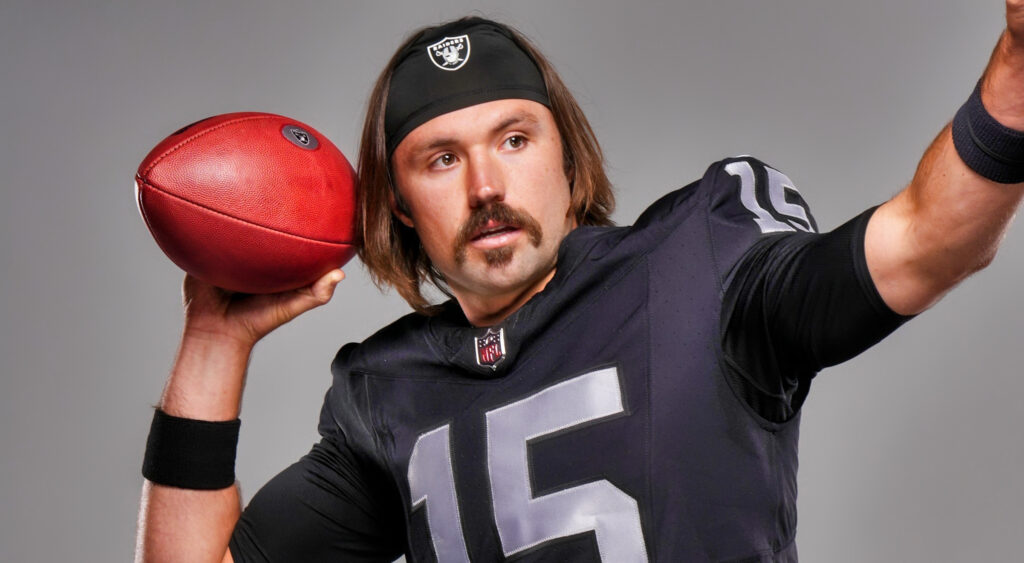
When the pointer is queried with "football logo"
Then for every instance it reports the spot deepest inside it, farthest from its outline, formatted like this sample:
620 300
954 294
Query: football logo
300 137
490 348
450 53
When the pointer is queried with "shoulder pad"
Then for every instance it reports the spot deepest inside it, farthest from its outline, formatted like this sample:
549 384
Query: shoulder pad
747 199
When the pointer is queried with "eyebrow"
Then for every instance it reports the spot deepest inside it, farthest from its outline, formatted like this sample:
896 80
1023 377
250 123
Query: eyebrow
513 119
516 118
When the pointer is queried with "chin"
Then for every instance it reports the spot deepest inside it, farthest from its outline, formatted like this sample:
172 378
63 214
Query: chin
499 257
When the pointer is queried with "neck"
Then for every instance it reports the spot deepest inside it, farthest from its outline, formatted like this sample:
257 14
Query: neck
489 310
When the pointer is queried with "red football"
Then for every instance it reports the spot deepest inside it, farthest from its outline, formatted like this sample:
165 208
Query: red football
250 202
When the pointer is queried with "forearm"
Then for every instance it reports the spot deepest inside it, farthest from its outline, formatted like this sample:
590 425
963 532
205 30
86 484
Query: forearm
175 524
185 525
1003 81
949 221
207 379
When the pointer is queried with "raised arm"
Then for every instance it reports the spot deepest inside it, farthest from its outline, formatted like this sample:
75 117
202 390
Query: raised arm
206 383
948 223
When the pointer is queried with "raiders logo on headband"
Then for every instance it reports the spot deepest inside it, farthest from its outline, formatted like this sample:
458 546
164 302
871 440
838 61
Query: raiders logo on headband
420 91
450 53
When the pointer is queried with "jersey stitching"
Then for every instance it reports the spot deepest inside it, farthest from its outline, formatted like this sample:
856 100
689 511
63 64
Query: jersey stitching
372 429
719 276
648 430
720 357
776 505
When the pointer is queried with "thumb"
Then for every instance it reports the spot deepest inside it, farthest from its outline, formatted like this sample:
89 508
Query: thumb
323 289
296 302
1015 18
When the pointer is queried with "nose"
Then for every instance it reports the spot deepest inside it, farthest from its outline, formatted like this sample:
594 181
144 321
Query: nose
486 181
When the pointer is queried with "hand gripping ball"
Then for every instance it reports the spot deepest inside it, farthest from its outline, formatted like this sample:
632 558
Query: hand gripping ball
250 202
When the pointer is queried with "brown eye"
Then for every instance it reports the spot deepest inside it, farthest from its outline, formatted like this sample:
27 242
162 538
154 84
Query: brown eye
515 141
444 161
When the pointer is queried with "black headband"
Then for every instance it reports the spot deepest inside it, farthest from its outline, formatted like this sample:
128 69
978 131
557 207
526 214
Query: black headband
457 65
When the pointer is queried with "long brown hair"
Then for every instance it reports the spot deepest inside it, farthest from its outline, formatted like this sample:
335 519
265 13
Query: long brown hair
392 252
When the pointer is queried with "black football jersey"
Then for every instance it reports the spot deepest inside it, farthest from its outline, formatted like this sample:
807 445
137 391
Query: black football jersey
611 418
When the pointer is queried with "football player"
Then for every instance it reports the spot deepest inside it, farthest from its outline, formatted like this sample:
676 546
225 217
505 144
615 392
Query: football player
589 392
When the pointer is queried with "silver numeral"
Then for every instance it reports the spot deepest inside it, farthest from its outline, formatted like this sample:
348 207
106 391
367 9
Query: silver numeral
431 481
778 183
523 520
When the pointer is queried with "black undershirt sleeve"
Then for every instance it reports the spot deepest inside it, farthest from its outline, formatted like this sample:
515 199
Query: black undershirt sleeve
322 508
797 303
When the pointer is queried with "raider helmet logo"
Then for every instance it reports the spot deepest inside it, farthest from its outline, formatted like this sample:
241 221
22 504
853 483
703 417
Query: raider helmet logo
450 53
490 348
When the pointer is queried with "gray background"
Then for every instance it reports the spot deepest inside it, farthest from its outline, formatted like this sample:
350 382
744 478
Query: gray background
912 452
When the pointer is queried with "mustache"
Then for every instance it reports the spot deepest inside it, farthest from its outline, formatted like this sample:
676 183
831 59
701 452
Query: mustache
499 212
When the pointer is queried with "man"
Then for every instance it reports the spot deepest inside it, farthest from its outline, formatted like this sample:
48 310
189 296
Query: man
590 393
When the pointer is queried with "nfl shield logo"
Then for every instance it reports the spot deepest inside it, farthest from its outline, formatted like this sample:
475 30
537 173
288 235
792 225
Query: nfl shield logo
490 348
450 53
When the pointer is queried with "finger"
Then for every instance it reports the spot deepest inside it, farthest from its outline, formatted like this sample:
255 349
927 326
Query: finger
193 289
314 295
323 288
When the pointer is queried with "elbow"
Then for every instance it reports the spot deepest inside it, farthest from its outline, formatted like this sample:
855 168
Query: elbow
913 294
977 257
950 254
955 271
984 261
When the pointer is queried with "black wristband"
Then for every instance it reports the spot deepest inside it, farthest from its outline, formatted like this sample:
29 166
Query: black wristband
986 146
191 454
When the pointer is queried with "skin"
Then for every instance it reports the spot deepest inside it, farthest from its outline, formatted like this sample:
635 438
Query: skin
945 225
467 161
206 383
948 223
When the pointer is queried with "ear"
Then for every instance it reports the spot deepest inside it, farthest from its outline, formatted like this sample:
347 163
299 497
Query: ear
397 211
568 167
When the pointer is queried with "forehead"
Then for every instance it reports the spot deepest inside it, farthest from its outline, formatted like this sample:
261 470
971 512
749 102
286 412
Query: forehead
475 121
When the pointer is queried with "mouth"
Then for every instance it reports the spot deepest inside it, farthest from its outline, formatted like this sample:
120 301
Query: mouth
493 229
493 234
